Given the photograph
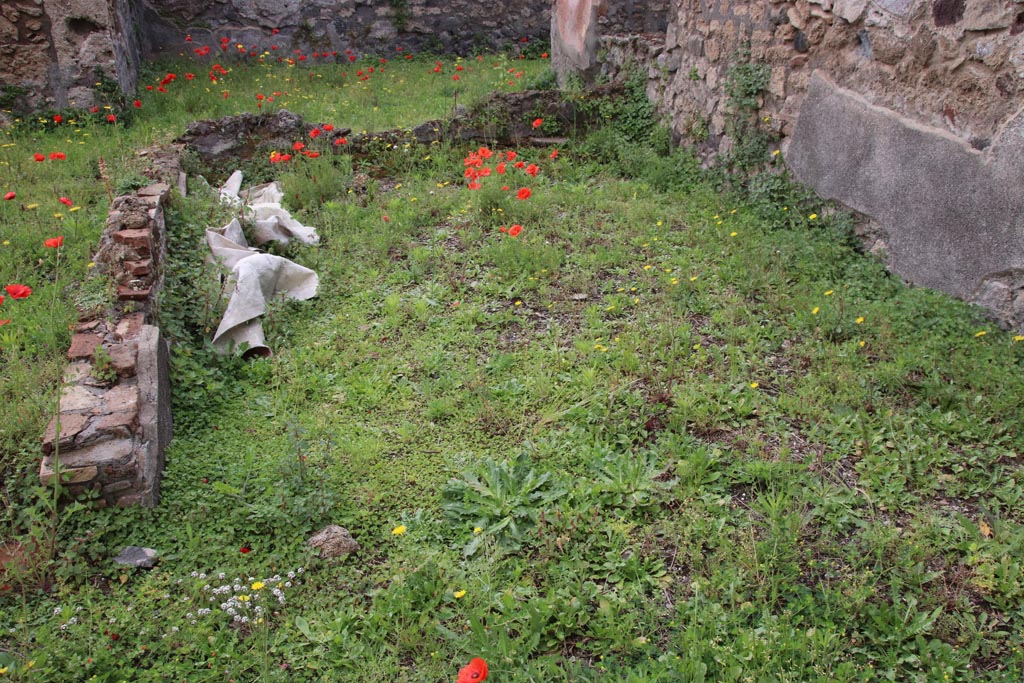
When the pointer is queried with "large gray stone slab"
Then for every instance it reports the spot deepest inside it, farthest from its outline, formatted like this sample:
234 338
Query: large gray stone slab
953 215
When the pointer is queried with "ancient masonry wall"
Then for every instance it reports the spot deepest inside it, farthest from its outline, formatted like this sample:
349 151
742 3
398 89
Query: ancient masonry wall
115 415
907 111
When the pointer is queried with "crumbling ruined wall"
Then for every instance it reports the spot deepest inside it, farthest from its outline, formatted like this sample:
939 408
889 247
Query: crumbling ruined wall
53 51
908 111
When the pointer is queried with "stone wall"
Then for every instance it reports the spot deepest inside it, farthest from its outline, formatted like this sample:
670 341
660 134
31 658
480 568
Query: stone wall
50 50
908 111
115 411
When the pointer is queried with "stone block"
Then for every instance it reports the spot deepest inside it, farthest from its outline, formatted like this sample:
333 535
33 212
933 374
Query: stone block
103 454
154 190
129 326
79 399
69 476
116 422
70 425
155 426
122 359
124 398
83 345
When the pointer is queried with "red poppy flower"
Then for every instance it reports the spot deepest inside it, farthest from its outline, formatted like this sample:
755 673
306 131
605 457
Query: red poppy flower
18 291
351 58
245 549
65 201
554 154
474 185
9 196
315 133
149 88
341 141
94 110
328 127
275 31
515 230
188 39
54 242
455 77
312 155
57 118
111 118
298 145
459 67
524 193
503 229
520 164
500 168
58 155
543 55
504 188
537 123
408 56
137 104
532 170
39 157
474 672
510 155
4 321
189 76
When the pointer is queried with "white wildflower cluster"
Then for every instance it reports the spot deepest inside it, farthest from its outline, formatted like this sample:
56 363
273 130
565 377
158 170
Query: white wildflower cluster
246 600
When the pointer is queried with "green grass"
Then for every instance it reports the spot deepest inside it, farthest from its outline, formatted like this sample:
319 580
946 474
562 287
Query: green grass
665 434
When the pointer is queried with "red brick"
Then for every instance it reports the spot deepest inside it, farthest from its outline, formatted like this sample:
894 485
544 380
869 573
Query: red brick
82 345
125 293
140 239
139 268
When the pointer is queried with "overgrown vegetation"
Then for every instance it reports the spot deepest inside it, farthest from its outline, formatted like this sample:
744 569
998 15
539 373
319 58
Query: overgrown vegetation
660 433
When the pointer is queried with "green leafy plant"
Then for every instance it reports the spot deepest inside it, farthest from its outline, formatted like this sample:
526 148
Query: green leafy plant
504 501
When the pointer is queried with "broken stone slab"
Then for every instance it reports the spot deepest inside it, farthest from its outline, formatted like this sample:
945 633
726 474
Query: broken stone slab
70 426
79 399
333 541
106 453
137 556
68 477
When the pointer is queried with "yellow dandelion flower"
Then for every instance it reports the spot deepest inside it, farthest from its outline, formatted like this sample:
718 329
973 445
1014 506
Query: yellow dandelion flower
648 267
754 385
861 343
399 530
693 279
980 334
733 234
459 594
813 217
814 311
1018 338
518 302
477 529
828 293
258 585
859 320
31 206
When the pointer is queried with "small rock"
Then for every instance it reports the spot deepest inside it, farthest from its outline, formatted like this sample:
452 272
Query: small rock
136 556
333 541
